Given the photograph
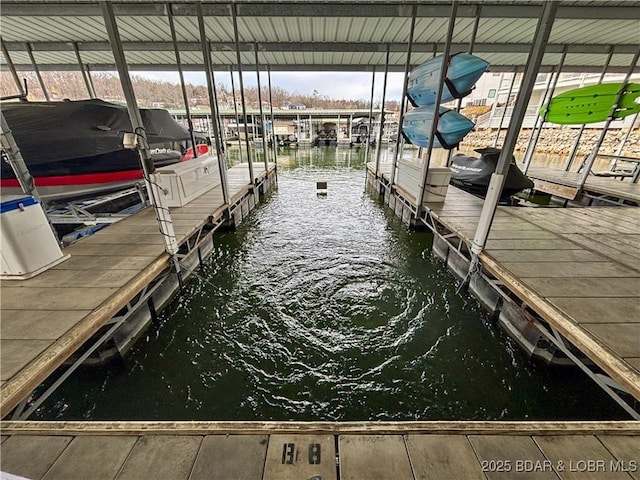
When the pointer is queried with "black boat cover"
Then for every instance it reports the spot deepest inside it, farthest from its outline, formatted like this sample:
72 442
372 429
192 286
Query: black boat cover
55 131
476 172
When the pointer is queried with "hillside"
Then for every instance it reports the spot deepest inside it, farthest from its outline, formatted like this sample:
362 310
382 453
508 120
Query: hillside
163 94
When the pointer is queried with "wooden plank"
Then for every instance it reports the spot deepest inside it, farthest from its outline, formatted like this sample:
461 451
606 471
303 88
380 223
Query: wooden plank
32 456
626 450
603 356
92 457
54 298
584 287
173 455
624 338
506 457
11 393
230 428
581 457
94 278
374 457
38 324
598 309
291 457
607 250
123 262
127 238
114 250
543 244
554 188
511 256
437 457
16 354
570 269
217 459
505 234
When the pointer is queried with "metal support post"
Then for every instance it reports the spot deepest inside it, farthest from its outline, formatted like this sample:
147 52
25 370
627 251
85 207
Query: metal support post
381 128
234 12
576 143
12 69
274 144
213 104
15 159
506 106
237 116
87 83
37 71
185 97
594 153
472 44
403 102
369 126
537 130
262 117
540 39
434 127
162 213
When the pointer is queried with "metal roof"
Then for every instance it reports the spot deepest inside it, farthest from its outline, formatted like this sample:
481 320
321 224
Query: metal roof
304 35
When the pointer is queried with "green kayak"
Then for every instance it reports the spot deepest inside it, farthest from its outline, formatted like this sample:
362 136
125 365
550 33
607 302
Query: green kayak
592 104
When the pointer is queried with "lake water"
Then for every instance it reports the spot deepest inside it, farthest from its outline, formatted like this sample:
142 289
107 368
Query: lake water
324 307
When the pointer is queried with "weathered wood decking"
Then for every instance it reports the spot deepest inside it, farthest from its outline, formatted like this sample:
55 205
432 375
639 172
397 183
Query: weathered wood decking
46 318
322 450
578 268
564 184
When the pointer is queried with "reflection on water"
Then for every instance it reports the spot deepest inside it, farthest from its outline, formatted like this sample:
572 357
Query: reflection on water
324 307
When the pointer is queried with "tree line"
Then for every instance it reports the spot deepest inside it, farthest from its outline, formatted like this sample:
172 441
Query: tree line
153 93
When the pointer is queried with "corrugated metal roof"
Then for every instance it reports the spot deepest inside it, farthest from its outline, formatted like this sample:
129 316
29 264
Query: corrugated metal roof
307 35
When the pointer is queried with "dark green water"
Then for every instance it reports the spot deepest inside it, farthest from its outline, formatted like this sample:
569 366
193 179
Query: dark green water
325 308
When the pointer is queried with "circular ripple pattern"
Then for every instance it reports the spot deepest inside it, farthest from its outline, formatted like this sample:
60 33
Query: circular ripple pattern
323 307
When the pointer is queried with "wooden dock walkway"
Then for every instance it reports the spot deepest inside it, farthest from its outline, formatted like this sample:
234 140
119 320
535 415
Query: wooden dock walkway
578 268
565 184
45 319
322 450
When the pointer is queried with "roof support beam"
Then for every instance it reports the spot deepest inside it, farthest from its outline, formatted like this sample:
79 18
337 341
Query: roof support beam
292 9
12 68
323 47
37 72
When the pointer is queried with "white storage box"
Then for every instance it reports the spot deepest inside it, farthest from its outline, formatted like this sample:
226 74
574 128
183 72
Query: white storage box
28 246
182 182
408 179
437 184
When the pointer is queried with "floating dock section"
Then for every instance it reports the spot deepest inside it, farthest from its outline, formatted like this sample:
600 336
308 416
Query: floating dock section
114 283
569 276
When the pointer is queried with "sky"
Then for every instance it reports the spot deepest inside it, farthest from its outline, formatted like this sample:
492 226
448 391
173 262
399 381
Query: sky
335 85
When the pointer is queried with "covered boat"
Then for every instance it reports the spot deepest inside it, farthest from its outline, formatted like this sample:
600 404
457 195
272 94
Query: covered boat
462 74
74 148
473 174
452 127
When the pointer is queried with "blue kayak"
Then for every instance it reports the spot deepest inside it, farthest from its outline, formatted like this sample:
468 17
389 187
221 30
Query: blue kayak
452 127
463 73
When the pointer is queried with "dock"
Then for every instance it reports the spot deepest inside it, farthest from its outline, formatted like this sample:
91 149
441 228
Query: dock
322 450
565 185
578 269
111 274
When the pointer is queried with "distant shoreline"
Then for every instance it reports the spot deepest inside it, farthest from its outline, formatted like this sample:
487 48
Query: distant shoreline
561 141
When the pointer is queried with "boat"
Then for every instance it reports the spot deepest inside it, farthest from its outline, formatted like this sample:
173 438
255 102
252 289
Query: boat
75 148
473 174
327 136
463 72
595 103
452 127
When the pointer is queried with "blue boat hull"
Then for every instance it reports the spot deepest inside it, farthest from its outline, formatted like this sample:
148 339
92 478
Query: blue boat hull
452 127
463 73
